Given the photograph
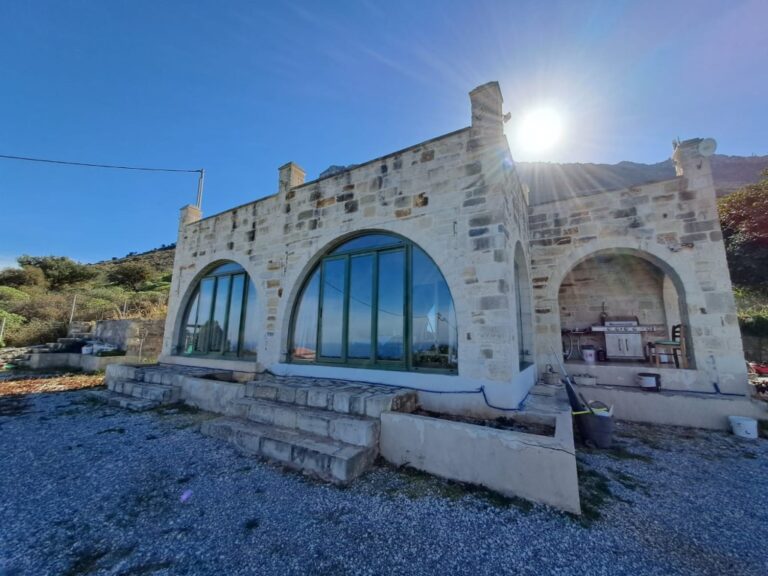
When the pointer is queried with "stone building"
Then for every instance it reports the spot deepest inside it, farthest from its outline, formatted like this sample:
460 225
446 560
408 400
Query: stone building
408 269
432 268
432 276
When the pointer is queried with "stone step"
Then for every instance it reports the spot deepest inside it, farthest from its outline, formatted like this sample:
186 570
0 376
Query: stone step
123 401
157 392
327 459
347 428
342 397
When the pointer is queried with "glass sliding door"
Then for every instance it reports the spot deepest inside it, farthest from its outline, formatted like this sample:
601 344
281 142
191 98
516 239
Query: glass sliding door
332 308
359 335
390 310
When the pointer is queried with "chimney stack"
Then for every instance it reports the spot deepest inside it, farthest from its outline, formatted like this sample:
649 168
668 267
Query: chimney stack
487 117
291 175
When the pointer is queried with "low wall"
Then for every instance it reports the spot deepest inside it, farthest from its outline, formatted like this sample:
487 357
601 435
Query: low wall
142 338
538 468
84 362
675 409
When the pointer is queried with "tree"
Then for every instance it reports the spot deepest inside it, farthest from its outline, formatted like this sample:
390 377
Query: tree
130 274
744 220
27 276
59 270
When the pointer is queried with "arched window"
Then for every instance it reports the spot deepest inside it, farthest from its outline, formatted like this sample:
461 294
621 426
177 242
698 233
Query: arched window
220 317
376 301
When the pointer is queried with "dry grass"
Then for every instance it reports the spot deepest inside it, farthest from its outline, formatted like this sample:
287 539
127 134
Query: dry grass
58 383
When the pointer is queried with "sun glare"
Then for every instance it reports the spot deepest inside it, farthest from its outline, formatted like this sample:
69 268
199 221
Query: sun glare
540 130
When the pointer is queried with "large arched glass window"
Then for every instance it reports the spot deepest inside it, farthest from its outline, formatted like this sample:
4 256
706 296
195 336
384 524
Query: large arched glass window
376 301
220 319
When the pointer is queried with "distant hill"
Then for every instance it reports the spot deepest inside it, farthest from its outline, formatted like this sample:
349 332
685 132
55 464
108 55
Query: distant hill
160 259
549 181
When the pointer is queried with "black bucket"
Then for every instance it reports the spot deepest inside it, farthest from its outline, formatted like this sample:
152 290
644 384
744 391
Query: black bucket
596 430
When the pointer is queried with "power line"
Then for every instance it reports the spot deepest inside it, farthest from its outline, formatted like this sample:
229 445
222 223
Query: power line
89 165
199 171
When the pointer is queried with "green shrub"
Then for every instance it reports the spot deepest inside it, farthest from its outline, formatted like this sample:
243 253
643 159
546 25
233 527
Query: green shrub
35 332
10 295
12 323
752 305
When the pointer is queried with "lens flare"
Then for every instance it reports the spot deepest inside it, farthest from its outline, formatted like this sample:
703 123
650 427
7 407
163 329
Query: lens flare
540 130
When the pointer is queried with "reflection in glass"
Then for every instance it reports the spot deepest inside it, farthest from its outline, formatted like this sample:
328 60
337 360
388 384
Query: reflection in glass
221 318
249 343
355 302
332 319
189 326
360 306
433 318
305 324
390 326
219 313
368 242
204 313
235 314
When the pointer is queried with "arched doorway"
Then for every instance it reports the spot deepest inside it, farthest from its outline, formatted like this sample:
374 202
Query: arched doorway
620 286
376 300
220 317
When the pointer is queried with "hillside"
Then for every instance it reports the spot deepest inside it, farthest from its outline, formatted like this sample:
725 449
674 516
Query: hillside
549 181
37 299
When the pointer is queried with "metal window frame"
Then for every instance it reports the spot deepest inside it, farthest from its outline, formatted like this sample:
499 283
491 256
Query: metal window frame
406 364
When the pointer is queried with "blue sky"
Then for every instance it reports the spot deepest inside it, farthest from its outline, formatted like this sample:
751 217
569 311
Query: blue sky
240 88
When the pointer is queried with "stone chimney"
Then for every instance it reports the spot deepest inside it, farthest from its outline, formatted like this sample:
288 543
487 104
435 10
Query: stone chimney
487 117
691 157
189 213
291 175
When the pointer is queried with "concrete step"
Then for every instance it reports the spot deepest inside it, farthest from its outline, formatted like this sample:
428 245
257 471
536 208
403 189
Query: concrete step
123 401
160 393
347 428
327 459
342 397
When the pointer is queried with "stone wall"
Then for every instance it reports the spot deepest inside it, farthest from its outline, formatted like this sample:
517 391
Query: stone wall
674 226
456 196
137 337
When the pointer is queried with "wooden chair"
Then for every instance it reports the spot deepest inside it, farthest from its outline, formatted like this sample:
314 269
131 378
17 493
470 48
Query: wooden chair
674 347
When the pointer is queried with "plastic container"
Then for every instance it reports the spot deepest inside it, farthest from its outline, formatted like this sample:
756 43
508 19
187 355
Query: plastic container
743 427
589 354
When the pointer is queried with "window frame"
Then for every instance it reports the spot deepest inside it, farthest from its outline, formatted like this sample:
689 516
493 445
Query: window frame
406 364
226 269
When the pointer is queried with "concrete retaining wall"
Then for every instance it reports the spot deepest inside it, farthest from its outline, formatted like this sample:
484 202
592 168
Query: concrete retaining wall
84 362
695 411
538 468
137 337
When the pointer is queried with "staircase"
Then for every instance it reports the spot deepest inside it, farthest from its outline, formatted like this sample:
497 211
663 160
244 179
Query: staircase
328 429
77 334
140 387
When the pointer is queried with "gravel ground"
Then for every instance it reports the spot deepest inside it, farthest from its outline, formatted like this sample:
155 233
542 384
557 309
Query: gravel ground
87 489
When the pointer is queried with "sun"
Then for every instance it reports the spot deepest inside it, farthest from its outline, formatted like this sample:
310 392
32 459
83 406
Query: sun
540 130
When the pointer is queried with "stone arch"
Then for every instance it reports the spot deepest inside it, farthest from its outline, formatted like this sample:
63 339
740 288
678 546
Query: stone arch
308 270
190 289
296 276
670 280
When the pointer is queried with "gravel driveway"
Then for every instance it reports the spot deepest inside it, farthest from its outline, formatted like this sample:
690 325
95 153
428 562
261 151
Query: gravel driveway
86 489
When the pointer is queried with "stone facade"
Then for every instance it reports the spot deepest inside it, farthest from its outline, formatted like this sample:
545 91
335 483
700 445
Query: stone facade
458 198
671 225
